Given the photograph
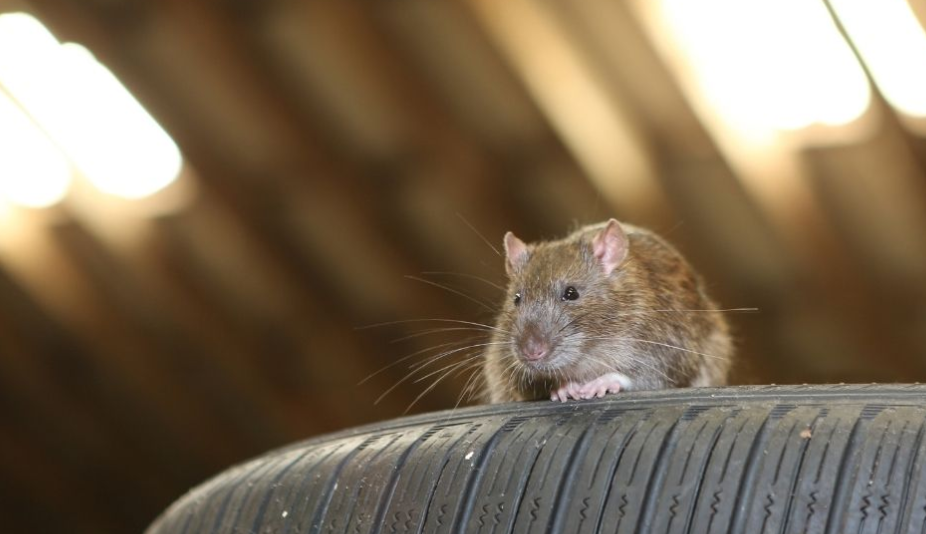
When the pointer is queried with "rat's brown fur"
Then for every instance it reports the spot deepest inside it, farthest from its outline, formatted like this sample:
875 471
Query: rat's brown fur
638 320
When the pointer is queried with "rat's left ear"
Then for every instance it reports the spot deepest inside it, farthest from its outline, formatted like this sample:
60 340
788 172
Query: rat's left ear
516 253
610 246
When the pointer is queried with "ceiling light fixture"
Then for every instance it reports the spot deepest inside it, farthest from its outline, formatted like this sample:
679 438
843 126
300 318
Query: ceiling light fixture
85 110
892 43
33 172
769 65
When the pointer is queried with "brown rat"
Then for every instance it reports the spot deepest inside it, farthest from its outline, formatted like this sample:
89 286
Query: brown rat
610 307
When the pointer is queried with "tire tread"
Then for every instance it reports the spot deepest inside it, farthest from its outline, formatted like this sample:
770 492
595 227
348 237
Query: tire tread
773 459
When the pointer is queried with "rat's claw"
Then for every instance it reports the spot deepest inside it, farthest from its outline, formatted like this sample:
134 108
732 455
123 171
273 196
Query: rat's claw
600 386
575 390
597 388
569 390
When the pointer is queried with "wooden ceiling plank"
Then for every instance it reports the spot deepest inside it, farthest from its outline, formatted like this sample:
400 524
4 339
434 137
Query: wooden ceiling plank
317 341
44 296
246 189
778 182
449 50
875 189
586 114
261 335
81 481
372 78
228 411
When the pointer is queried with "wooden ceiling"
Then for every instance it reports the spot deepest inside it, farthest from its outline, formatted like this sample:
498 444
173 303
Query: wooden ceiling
338 150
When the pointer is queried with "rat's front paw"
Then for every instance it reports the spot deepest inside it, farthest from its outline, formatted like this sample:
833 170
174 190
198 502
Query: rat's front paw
599 387
562 394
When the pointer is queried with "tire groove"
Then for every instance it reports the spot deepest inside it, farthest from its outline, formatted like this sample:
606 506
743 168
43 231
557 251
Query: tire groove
450 451
747 480
613 469
247 494
795 475
656 478
205 506
466 503
523 487
690 452
223 508
701 471
568 478
906 514
389 491
328 491
295 491
352 502
636 460
840 489
600 459
736 438
265 502
781 455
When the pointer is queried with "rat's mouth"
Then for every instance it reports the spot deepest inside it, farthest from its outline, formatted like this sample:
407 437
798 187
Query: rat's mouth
552 363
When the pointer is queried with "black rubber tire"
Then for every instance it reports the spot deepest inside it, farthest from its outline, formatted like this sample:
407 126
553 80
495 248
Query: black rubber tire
820 459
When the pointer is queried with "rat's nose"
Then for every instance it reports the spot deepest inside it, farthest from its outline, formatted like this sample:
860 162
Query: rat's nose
534 348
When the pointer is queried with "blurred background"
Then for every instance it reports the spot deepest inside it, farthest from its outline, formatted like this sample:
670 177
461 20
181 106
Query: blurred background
205 205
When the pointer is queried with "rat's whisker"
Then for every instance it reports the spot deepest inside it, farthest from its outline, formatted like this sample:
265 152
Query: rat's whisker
468 386
449 353
452 368
638 362
413 354
434 320
512 372
419 366
480 378
465 275
438 356
473 228
470 382
392 388
470 356
513 375
451 290
667 345
430 331
706 310
457 346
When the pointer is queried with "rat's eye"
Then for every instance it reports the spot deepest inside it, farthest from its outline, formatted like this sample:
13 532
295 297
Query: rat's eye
517 299
570 293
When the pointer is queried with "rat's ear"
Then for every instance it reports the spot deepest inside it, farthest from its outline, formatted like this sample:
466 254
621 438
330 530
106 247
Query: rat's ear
515 253
610 246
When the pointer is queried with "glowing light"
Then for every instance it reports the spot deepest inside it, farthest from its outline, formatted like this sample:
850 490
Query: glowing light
33 173
108 135
769 64
892 43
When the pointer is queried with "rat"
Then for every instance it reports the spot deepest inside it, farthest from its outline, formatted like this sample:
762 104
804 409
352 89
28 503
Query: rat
611 307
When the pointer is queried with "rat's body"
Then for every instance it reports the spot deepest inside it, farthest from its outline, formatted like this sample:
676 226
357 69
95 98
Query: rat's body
610 307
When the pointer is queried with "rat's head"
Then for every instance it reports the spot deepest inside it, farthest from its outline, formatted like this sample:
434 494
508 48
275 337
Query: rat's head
557 292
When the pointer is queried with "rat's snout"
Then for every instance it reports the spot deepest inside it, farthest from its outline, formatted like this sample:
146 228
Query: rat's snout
533 346
534 349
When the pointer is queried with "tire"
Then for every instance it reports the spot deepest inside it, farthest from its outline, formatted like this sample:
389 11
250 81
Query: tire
816 459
